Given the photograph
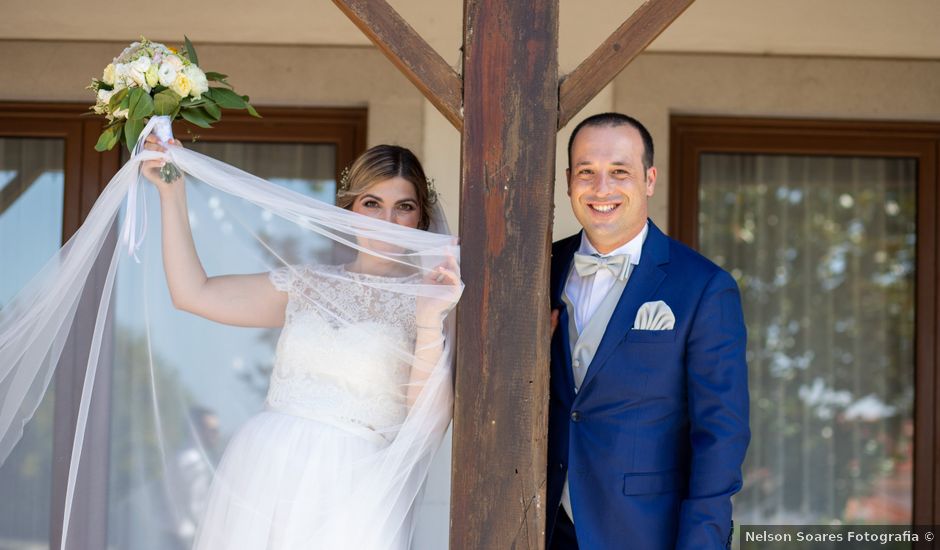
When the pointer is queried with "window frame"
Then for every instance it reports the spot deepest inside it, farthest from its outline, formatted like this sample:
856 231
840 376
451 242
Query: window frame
690 136
87 172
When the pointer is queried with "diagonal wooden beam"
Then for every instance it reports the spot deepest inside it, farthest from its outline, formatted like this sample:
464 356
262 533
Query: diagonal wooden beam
410 53
611 57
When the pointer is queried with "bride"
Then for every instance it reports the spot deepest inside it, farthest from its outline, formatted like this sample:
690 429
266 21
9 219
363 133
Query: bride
360 393
351 363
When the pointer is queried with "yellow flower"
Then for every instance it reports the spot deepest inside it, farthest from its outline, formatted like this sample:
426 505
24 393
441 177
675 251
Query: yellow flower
151 75
182 85
108 76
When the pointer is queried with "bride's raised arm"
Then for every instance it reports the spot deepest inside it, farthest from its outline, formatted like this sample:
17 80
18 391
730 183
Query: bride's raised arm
240 300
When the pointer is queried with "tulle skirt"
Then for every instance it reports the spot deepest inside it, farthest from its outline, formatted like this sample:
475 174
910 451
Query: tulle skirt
287 482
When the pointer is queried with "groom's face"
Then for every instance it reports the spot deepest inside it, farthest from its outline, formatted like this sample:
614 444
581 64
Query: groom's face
608 186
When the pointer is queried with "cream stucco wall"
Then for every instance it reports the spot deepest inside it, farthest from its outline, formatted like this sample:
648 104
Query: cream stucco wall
874 28
306 76
652 88
657 85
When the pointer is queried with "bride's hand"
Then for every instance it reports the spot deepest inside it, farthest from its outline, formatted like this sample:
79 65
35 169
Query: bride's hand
431 310
151 168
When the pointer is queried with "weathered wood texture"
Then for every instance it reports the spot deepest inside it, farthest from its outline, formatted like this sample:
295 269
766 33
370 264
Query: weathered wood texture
507 181
611 57
410 53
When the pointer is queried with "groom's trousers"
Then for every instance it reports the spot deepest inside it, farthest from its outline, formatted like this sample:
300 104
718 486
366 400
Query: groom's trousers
563 537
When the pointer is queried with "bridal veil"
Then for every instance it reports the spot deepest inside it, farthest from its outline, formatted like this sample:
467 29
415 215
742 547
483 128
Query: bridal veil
152 374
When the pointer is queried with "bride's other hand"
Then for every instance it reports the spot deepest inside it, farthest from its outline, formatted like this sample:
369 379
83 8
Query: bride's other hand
151 168
431 310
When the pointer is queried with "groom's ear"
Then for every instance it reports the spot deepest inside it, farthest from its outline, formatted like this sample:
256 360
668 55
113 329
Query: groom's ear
650 181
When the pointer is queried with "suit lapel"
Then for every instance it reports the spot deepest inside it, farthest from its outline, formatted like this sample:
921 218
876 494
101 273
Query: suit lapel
645 279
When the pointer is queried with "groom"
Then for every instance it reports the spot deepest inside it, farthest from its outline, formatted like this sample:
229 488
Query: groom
648 422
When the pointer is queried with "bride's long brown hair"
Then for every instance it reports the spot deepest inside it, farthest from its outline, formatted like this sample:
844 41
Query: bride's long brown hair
380 163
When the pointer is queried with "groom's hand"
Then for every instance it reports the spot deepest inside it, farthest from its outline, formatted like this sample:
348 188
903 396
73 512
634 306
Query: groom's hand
554 320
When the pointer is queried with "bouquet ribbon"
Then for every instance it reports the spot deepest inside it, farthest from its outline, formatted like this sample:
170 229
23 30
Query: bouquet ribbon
132 235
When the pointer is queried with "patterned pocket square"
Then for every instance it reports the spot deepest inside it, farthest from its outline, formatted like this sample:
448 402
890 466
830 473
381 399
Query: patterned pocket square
654 316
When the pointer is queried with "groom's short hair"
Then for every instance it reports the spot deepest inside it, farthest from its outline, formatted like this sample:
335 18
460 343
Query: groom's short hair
617 119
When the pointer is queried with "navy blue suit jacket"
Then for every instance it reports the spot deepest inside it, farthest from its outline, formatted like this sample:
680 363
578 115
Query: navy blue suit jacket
654 440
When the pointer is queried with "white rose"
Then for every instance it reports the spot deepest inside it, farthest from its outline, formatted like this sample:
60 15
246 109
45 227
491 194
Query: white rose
198 79
108 76
182 85
174 61
167 74
138 78
141 64
104 96
122 76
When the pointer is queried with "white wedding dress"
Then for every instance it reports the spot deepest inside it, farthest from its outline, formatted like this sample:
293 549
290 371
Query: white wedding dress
336 395
354 412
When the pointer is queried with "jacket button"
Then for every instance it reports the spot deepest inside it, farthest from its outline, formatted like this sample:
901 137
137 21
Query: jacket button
576 416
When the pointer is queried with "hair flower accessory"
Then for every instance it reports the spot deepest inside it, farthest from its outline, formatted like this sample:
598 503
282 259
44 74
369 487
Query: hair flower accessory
344 186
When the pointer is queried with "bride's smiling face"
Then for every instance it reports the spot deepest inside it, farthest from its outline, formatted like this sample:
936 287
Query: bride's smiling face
393 200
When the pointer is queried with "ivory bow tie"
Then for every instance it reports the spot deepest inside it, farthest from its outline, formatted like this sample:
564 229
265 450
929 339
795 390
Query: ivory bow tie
588 264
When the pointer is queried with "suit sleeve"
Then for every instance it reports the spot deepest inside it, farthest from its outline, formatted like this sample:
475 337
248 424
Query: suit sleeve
718 402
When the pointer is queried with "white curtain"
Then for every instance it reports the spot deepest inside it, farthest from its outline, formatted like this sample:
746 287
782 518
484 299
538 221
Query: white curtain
823 249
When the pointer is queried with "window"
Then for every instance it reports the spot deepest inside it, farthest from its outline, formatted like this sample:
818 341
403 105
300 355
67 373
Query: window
32 193
50 176
828 229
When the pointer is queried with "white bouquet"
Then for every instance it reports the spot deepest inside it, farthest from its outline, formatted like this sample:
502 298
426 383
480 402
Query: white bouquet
150 79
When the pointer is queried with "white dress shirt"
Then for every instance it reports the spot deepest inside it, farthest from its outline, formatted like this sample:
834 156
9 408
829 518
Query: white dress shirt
586 294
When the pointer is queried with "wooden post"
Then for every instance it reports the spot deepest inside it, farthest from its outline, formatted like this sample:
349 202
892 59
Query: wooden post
510 78
512 107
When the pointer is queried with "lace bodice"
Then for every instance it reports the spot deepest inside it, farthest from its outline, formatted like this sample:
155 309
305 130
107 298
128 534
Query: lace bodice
343 355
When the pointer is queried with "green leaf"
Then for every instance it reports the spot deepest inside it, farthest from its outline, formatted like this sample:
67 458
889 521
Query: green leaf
252 111
197 116
212 110
132 99
191 51
115 102
109 137
132 130
142 108
166 102
188 102
218 77
227 99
